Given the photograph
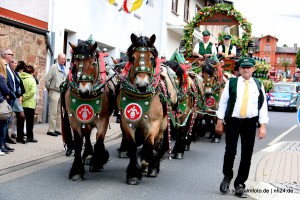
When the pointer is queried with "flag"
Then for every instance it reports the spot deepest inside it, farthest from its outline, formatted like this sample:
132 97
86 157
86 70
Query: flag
111 1
132 5
150 3
136 5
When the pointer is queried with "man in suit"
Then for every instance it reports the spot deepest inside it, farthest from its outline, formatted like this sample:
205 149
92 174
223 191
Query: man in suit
55 76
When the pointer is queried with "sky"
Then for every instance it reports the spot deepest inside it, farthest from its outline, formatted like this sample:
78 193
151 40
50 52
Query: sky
278 18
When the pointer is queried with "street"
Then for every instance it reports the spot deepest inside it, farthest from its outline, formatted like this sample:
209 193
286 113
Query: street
197 176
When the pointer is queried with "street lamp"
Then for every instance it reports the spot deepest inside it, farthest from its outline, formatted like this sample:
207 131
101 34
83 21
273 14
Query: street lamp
250 48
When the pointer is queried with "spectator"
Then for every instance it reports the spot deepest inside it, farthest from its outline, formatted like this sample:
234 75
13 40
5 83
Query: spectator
5 94
8 56
29 100
17 107
55 76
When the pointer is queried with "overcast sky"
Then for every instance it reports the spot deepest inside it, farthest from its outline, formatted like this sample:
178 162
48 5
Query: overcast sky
273 17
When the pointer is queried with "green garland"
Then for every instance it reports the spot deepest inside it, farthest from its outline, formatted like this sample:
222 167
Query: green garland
209 11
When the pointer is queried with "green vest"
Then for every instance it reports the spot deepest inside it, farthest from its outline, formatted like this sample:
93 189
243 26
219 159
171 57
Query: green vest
202 50
232 96
229 50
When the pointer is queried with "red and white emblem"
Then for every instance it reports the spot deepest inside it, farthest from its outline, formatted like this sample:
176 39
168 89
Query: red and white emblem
85 112
210 101
133 112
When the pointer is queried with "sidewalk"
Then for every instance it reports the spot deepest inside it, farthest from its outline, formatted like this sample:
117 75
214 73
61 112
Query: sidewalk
275 172
46 146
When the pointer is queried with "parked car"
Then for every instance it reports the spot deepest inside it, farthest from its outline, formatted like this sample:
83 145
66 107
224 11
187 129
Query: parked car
284 95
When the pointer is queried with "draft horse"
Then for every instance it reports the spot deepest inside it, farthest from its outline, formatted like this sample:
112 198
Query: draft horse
188 90
88 100
143 110
214 83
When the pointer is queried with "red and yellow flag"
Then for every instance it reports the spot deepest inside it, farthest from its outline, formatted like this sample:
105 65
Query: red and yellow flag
132 5
111 1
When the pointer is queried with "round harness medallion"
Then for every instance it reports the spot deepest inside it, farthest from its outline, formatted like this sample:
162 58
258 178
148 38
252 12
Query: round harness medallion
133 112
85 112
210 101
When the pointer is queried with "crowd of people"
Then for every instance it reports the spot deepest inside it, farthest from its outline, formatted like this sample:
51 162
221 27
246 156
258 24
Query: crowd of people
19 88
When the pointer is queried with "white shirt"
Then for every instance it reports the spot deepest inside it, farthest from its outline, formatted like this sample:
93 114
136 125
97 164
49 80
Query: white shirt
233 50
252 106
213 48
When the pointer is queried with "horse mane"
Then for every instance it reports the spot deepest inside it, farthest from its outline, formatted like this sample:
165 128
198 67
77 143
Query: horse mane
84 48
175 66
206 68
141 41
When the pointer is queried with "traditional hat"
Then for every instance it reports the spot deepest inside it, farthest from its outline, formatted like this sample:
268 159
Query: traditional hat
226 37
246 62
206 32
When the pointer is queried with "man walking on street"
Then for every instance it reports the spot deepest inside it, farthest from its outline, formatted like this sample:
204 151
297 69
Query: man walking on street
55 76
242 105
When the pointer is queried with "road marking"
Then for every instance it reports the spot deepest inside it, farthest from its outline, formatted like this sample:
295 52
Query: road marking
282 135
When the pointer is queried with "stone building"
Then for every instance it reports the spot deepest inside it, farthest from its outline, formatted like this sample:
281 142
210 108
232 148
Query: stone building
24 31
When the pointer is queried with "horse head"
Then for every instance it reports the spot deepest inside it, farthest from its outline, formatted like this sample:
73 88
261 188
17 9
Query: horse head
84 66
210 75
142 54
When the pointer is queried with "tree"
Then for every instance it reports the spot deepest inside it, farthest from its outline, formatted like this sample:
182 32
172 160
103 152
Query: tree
285 45
298 59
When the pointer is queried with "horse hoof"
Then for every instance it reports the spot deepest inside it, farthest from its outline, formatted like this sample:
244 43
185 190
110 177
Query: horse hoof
187 147
153 173
178 156
133 181
87 160
77 177
215 140
96 168
123 154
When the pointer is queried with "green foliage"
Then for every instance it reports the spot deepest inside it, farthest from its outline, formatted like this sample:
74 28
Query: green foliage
209 11
298 59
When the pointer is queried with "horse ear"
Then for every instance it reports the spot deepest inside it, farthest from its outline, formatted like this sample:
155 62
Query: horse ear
73 46
153 38
94 47
133 38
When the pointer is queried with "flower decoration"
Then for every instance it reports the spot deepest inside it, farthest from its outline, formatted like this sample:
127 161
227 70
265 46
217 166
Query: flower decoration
209 11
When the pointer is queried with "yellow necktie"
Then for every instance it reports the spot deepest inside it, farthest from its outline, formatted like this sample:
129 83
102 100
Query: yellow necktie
226 50
243 111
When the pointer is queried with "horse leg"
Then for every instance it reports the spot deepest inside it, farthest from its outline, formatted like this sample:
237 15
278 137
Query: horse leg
133 173
88 149
123 150
179 146
217 137
77 170
100 156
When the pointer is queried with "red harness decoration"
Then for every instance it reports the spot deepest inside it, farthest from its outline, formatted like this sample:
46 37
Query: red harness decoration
185 77
102 72
220 73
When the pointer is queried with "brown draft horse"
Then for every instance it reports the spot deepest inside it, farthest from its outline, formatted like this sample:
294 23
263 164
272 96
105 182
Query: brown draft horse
88 104
188 90
214 83
143 113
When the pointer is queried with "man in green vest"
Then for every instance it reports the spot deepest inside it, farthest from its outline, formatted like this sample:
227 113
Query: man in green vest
205 49
227 50
242 105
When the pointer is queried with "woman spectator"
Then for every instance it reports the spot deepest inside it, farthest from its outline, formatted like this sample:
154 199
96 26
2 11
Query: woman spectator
17 107
5 93
29 100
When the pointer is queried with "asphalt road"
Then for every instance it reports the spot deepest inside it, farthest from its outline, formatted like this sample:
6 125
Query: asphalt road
195 177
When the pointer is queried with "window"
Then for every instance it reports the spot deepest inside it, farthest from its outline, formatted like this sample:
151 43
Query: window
267 48
186 10
278 60
174 5
197 9
268 40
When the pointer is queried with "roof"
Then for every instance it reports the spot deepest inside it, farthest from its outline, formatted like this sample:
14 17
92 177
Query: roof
287 50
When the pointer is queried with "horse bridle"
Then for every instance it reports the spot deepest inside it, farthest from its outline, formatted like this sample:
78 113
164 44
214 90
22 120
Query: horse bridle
85 78
142 68
216 87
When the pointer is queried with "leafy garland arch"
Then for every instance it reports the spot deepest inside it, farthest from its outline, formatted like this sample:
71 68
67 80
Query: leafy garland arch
209 11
